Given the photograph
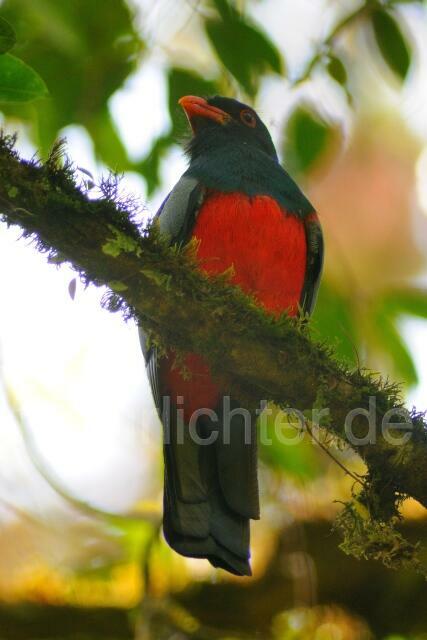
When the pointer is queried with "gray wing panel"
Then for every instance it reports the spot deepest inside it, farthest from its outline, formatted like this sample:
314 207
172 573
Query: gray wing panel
179 210
176 217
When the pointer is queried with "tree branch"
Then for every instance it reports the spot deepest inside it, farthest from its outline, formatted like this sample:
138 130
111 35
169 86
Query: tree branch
257 357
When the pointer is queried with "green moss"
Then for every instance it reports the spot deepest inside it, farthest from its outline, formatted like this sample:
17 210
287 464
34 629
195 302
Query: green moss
161 279
369 539
321 403
120 243
117 286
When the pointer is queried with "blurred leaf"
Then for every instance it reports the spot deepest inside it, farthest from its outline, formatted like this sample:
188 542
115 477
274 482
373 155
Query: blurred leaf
242 48
388 337
72 286
283 451
131 535
407 301
109 147
182 82
149 167
7 36
307 138
337 70
83 49
18 81
391 42
388 310
333 323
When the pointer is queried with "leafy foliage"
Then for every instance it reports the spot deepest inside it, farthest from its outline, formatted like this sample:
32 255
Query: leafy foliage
334 323
7 36
410 301
307 139
337 70
84 54
389 339
18 81
391 42
387 312
297 458
242 48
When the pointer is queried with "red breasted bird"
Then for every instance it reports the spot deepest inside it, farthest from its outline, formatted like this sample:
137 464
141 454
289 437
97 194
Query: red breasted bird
248 213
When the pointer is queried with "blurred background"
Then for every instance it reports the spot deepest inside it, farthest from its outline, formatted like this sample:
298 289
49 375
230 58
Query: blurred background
342 87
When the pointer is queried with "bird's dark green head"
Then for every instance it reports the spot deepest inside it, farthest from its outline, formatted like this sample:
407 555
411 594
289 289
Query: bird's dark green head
231 150
221 122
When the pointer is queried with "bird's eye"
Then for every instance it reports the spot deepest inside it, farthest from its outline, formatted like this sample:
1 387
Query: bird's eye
248 118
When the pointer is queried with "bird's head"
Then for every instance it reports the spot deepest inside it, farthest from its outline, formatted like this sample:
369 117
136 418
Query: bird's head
220 121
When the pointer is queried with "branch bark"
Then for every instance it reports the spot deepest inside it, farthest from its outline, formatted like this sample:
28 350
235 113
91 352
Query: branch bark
256 357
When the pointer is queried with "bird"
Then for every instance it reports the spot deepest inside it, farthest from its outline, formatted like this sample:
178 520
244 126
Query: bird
246 214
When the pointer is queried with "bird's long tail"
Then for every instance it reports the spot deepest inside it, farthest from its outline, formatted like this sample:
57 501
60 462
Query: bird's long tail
211 490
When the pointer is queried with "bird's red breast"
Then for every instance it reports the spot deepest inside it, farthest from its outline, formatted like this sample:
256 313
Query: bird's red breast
267 248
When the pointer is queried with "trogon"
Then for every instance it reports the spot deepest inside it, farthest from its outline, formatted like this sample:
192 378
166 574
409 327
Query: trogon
246 213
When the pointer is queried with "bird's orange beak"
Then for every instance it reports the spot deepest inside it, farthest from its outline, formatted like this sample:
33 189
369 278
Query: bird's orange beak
195 106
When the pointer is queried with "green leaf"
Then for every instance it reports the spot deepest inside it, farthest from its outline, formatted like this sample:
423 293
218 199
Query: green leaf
242 47
409 301
391 42
388 337
307 138
412 302
149 167
18 81
333 323
284 450
7 36
109 147
337 70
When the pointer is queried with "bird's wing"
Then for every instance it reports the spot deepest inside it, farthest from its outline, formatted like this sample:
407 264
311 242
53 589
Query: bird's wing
314 266
176 217
178 212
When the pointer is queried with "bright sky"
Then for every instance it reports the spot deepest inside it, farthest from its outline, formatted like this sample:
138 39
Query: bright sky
76 370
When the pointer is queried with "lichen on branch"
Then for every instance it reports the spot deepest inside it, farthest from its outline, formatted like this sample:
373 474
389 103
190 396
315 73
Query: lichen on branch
257 358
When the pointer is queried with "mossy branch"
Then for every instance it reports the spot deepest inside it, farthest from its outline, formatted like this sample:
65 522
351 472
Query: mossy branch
257 357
